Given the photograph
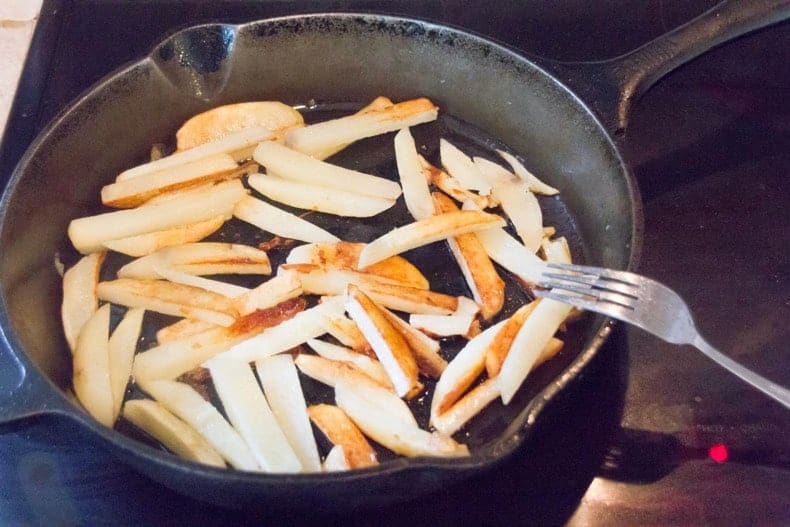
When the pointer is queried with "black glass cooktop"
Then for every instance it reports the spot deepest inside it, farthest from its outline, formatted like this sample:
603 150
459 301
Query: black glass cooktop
654 434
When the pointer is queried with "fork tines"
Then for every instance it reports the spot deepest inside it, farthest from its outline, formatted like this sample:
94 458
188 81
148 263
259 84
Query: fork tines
587 287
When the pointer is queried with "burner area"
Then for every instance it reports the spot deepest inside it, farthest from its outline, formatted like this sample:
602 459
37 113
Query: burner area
653 433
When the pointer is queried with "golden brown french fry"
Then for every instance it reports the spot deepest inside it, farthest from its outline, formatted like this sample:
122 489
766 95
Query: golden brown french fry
217 123
425 231
186 327
410 299
450 186
488 289
136 191
318 280
377 104
80 300
172 432
89 234
423 347
168 361
317 139
91 367
202 258
170 299
500 346
341 431
147 243
391 348
347 333
366 364
284 286
345 255
330 372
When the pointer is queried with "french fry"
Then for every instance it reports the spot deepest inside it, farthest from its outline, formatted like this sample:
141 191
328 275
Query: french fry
183 401
462 168
345 255
424 348
317 280
80 300
377 104
425 231
250 414
415 187
170 299
136 191
168 361
330 372
520 205
284 286
238 145
89 234
290 164
279 222
443 325
509 253
391 348
317 138
219 122
206 284
304 326
344 434
361 404
91 366
347 333
172 432
335 460
450 186
556 251
533 183
462 371
488 289
186 327
410 299
364 363
322 199
202 258
121 348
283 391
532 338
500 346
147 243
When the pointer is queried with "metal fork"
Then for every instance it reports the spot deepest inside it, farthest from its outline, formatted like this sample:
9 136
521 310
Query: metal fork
644 303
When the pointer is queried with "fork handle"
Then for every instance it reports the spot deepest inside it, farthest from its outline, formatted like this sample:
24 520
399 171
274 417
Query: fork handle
769 388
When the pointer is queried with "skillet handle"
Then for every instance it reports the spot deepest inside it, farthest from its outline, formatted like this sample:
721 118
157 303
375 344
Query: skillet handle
612 86
24 392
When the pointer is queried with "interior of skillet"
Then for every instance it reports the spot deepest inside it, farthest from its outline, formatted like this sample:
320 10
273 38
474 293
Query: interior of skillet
340 62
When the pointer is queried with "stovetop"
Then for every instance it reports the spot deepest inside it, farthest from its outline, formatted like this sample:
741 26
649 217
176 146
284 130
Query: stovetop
654 433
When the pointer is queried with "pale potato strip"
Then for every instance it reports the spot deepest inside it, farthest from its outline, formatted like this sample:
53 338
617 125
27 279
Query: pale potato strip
377 423
425 231
172 432
409 299
183 401
462 371
335 460
443 325
170 299
279 222
136 191
534 184
318 138
488 289
309 196
318 280
239 145
344 434
91 367
556 251
217 123
532 338
387 342
368 365
347 333
80 300
509 253
452 187
284 286
304 326
207 284
423 347
286 163
186 327
122 345
330 372
283 391
249 412
147 243
462 168
200 259
467 407
415 188
500 346
377 104
91 233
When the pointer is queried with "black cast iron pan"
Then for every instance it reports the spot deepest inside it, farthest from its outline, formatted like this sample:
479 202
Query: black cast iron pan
490 96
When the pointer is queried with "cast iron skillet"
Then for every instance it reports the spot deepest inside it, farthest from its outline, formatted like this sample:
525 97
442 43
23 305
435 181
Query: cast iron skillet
489 91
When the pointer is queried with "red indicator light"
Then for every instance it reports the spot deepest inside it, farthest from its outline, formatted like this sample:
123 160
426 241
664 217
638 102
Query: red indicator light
718 453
